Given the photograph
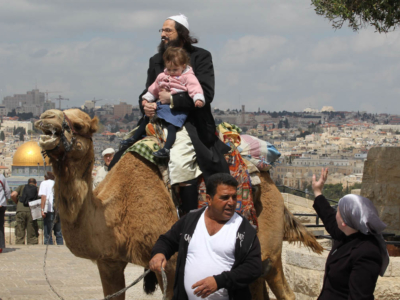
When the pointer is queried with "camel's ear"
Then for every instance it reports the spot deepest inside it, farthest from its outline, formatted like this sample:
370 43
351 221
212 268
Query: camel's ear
94 124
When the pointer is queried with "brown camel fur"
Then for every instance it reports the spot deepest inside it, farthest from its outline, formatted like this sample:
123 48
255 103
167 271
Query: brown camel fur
121 220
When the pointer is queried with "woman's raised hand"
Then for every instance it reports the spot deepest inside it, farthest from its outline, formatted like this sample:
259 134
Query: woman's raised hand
317 186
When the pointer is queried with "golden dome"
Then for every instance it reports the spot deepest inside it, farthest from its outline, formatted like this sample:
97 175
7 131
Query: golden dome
29 155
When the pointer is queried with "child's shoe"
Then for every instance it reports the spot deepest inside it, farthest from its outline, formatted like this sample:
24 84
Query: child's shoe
162 153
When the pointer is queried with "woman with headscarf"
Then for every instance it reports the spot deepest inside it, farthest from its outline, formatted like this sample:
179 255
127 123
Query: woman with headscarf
358 254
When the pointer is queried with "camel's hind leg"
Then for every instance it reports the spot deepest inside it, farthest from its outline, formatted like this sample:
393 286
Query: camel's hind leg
112 277
277 281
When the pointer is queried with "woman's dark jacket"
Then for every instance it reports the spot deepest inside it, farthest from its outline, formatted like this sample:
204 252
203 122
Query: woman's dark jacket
200 123
246 268
354 263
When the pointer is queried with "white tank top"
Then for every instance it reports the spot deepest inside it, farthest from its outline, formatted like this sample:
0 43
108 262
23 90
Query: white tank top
210 255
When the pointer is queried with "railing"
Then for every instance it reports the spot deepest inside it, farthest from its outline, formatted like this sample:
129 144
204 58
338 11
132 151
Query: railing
296 192
317 225
293 191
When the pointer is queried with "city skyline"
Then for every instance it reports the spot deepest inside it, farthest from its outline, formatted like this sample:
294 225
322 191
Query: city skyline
274 55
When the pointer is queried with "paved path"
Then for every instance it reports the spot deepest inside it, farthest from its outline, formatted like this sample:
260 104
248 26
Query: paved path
22 276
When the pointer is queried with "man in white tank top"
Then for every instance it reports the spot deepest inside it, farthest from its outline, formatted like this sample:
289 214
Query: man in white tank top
218 250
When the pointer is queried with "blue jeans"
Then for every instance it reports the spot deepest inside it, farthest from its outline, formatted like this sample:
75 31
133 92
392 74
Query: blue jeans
47 224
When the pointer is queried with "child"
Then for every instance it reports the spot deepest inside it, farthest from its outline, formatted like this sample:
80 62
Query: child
178 77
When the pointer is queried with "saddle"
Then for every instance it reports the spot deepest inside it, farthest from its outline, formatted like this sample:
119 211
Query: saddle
242 169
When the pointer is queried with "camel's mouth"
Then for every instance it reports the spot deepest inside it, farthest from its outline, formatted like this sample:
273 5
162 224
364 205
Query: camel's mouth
50 139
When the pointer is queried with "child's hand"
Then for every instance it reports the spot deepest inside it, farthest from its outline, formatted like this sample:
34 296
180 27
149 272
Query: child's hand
199 103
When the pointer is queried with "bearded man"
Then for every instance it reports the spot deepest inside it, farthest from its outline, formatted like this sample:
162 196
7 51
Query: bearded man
197 149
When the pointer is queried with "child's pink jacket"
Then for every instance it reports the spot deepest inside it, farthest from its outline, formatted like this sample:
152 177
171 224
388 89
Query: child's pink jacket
187 82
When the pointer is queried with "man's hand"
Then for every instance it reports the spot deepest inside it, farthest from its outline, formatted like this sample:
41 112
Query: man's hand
150 109
157 262
199 103
164 96
205 287
317 186
43 214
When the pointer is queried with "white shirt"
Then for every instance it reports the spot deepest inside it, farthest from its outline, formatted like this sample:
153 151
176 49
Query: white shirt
210 255
101 173
4 193
47 189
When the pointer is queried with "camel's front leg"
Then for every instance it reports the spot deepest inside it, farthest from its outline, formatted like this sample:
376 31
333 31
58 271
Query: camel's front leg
170 272
258 290
112 277
276 279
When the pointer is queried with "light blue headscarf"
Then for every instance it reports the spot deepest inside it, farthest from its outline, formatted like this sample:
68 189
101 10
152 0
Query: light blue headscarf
360 213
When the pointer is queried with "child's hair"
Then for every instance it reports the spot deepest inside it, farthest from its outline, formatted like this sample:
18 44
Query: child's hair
176 56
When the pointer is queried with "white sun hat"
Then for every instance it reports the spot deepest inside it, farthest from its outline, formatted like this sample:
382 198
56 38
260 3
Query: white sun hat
108 151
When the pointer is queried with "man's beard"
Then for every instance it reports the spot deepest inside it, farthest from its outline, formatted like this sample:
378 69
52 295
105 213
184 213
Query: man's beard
172 43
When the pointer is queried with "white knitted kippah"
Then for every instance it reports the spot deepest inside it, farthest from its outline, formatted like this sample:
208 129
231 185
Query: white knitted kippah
181 19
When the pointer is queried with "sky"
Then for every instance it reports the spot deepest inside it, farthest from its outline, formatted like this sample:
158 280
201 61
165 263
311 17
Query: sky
271 54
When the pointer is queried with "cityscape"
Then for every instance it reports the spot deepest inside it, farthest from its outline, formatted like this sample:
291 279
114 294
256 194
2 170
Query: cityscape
307 140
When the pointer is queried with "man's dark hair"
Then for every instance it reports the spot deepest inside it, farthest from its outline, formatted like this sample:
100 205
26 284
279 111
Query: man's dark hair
217 179
185 37
32 180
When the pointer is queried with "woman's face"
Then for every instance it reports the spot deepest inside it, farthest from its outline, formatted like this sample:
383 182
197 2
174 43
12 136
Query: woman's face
339 220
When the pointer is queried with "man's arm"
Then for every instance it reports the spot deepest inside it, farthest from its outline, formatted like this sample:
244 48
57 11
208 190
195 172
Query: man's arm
204 71
166 246
42 204
14 197
245 273
16 193
168 243
151 77
7 191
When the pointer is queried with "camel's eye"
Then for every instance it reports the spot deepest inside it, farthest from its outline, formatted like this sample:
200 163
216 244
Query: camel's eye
77 127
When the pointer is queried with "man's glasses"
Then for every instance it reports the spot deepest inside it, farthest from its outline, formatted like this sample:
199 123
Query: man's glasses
166 30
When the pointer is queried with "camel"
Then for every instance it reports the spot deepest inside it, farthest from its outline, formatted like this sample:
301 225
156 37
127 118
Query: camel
120 221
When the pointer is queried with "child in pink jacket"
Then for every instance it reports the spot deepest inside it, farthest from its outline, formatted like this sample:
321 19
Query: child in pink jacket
178 77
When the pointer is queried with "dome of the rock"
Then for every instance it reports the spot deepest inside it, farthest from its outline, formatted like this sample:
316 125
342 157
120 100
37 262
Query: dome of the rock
29 155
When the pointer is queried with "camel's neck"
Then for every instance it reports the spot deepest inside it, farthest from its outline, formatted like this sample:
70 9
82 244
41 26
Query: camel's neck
73 187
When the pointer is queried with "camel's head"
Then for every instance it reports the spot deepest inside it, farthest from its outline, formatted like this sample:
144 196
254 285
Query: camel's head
66 133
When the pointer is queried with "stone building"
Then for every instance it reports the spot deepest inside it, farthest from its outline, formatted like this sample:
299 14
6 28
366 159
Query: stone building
122 109
32 102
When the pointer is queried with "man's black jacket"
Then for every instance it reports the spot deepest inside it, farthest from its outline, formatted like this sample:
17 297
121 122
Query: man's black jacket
200 123
246 268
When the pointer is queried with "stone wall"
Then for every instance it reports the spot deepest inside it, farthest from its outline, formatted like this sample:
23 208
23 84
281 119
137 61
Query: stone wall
381 184
304 271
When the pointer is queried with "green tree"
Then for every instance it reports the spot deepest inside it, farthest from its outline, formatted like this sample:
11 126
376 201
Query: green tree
2 136
334 191
21 136
384 15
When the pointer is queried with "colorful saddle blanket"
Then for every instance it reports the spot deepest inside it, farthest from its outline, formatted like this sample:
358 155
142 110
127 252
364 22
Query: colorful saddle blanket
155 140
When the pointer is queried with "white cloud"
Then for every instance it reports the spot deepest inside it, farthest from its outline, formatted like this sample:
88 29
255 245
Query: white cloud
270 54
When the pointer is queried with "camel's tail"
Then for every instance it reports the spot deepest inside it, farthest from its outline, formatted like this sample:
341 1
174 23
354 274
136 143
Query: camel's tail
294 231
150 283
